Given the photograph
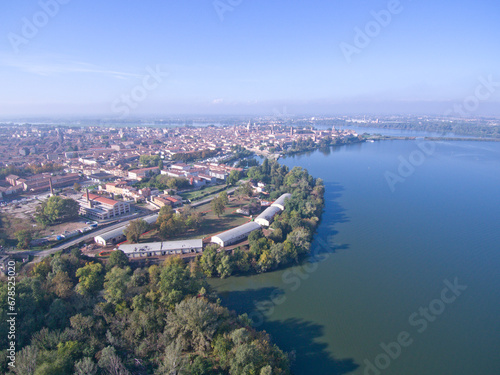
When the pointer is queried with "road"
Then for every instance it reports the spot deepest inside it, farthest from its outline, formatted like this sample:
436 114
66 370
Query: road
44 253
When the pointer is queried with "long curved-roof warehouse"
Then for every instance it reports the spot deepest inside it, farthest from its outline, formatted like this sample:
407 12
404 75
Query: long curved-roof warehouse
117 235
264 219
235 235
280 202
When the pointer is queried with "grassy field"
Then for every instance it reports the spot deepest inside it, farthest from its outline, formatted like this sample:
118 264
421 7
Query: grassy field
202 193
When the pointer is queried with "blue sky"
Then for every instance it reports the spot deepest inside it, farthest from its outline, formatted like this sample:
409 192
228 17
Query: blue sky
260 57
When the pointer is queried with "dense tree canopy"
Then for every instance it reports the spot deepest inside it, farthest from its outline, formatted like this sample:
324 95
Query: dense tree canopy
56 210
135 229
148 161
291 232
170 224
74 317
24 237
234 177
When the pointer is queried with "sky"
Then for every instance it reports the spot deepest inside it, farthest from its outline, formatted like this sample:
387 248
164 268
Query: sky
204 57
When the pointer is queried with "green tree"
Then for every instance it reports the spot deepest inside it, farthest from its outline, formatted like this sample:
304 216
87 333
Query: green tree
90 278
176 282
148 161
246 359
234 177
208 260
24 237
193 323
135 229
86 366
111 362
218 206
115 284
167 229
173 362
118 259
56 210
200 366
194 220
241 260
299 237
266 370
26 361
255 236
225 266
255 173
224 198
62 285
265 168
245 190
42 268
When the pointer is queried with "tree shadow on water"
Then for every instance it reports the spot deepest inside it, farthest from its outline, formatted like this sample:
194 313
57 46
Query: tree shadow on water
298 336
333 214
295 336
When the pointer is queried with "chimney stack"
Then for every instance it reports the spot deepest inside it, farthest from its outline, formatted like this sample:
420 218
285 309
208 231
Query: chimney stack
51 187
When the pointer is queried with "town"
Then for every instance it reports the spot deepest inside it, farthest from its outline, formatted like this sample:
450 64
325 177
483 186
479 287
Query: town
116 175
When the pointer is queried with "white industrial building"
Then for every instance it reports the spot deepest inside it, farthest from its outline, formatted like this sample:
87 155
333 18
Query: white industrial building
280 202
263 220
117 235
235 235
112 237
162 248
96 207
266 217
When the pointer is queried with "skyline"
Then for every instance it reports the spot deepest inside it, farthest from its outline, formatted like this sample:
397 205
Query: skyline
67 58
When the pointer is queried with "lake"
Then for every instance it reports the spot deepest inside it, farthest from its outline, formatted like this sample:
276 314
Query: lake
406 274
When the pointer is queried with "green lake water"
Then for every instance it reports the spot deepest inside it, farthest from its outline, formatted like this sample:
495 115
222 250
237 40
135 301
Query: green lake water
385 251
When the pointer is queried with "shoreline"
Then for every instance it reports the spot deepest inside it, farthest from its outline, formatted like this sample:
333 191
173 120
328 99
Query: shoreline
412 138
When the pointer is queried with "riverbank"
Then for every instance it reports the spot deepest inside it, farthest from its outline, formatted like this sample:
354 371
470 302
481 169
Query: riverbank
412 138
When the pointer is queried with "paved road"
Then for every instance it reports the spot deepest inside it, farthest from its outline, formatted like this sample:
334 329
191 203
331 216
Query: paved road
42 254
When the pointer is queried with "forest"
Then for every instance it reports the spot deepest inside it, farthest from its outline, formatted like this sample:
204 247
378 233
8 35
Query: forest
76 315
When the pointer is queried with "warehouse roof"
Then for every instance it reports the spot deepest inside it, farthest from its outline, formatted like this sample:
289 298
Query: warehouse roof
238 231
119 231
112 234
161 246
280 202
269 213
